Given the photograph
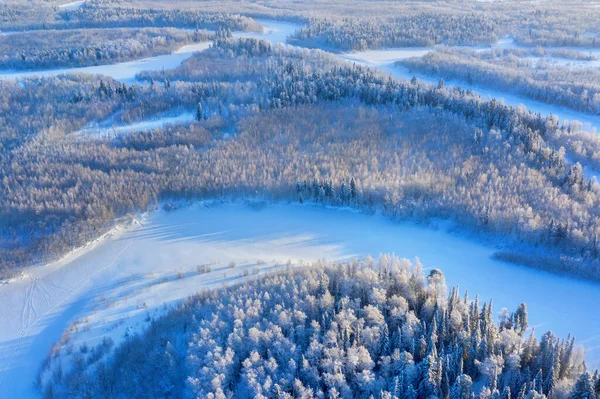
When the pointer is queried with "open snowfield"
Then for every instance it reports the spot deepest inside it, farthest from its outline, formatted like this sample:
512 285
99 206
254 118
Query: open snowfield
115 284
377 58
277 32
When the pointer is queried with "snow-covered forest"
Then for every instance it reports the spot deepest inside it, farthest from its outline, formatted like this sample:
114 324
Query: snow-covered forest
38 15
111 110
446 169
353 330
75 48
525 72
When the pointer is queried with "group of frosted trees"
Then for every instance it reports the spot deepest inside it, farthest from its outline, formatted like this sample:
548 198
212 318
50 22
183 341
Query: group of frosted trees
77 48
511 70
36 15
364 26
426 29
363 329
413 151
357 25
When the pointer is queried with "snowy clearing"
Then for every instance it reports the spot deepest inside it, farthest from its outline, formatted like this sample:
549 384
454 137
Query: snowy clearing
116 284
274 31
277 32
71 6
376 58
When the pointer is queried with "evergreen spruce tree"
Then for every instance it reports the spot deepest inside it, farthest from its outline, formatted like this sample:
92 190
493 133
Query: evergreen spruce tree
584 387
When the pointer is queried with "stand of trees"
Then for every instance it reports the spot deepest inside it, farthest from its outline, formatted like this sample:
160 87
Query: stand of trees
425 29
365 25
355 330
510 70
79 48
40 16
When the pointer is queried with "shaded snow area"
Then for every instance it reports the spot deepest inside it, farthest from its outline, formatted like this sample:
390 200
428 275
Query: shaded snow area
71 6
110 129
115 286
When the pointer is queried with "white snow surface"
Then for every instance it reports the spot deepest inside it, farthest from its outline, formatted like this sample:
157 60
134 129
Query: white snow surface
113 284
378 58
71 6
274 31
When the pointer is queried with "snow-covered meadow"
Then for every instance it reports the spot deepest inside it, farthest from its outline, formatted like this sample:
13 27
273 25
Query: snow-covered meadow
115 285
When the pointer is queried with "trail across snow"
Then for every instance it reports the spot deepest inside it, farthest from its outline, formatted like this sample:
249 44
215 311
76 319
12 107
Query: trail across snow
113 286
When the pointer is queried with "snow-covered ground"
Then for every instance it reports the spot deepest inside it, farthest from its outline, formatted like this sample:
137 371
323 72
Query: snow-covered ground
274 31
377 58
71 6
110 129
113 286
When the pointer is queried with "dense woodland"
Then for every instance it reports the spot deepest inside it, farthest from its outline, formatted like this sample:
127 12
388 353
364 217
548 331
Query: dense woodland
38 16
288 124
339 24
516 71
78 48
453 23
306 128
363 329
420 30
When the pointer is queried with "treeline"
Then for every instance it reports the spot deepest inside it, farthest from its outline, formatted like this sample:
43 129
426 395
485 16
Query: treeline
78 48
301 121
426 29
112 17
364 25
355 330
583 146
511 70
40 16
